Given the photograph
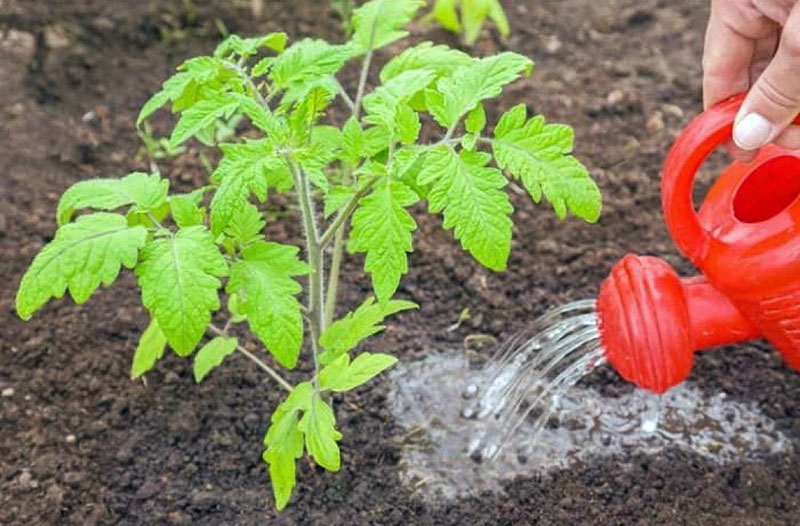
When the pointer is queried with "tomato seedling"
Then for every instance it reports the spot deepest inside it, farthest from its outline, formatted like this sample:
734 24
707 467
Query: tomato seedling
467 17
365 173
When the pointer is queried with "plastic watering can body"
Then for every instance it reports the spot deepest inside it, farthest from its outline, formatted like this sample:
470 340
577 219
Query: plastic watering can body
746 242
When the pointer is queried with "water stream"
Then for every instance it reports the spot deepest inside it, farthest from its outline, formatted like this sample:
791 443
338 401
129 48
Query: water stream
469 428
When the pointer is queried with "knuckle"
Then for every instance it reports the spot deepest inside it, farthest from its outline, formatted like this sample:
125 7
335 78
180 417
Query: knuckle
790 46
776 95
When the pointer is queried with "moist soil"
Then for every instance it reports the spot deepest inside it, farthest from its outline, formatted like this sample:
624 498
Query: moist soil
81 444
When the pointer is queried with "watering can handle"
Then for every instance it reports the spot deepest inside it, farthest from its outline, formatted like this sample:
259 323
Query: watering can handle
701 137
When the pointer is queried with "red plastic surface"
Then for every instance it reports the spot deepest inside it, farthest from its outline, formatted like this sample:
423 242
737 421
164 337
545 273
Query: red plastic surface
745 240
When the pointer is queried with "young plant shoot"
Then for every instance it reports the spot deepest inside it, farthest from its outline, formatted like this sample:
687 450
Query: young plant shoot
473 14
354 182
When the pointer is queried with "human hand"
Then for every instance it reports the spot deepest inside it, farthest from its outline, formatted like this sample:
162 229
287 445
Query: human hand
754 45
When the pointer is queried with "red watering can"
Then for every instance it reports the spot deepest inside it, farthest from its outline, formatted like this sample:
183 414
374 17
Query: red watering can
746 242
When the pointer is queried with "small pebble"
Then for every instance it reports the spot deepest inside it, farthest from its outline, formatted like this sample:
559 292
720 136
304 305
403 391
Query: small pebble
552 44
70 439
8 392
655 123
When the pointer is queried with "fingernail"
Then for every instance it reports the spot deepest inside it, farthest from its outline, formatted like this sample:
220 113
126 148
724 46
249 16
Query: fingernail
752 131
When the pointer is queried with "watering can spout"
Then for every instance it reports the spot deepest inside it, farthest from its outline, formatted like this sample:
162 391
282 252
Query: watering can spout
745 240
652 321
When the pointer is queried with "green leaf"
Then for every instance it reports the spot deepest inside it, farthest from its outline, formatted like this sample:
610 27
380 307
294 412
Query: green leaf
211 355
246 225
471 196
468 141
444 12
179 275
382 228
408 124
441 59
319 427
284 442
476 119
336 198
246 167
381 106
263 282
498 16
202 115
262 67
149 350
473 14
233 308
307 60
185 211
538 154
247 47
379 22
261 117
145 192
345 334
352 141
152 105
342 375
468 85
82 255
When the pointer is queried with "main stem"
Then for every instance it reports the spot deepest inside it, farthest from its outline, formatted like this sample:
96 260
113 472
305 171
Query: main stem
316 274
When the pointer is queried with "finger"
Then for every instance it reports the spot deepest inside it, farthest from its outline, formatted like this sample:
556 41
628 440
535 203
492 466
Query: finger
762 55
743 156
789 139
727 55
774 99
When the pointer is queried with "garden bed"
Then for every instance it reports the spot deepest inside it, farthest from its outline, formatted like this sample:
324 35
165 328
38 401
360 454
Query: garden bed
82 444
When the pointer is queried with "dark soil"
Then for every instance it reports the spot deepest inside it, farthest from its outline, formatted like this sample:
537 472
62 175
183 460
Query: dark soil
81 444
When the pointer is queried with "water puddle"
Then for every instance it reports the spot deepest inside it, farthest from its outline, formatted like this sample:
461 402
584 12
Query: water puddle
435 401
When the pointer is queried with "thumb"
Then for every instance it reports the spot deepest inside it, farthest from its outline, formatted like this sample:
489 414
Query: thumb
774 100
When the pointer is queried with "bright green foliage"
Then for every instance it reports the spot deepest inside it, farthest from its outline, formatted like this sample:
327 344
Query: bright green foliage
145 192
264 284
284 442
343 375
382 228
346 333
442 60
538 155
245 225
352 181
319 427
470 195
249 167
473 14
179 275
83 255
247 47
202 115
211 355
484 78
307 61
186 209
380 22
149 351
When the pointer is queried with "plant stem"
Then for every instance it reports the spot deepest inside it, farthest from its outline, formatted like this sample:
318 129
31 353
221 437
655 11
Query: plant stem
362 83
333 276
346 212
316 274
266 368
345 96
252 85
